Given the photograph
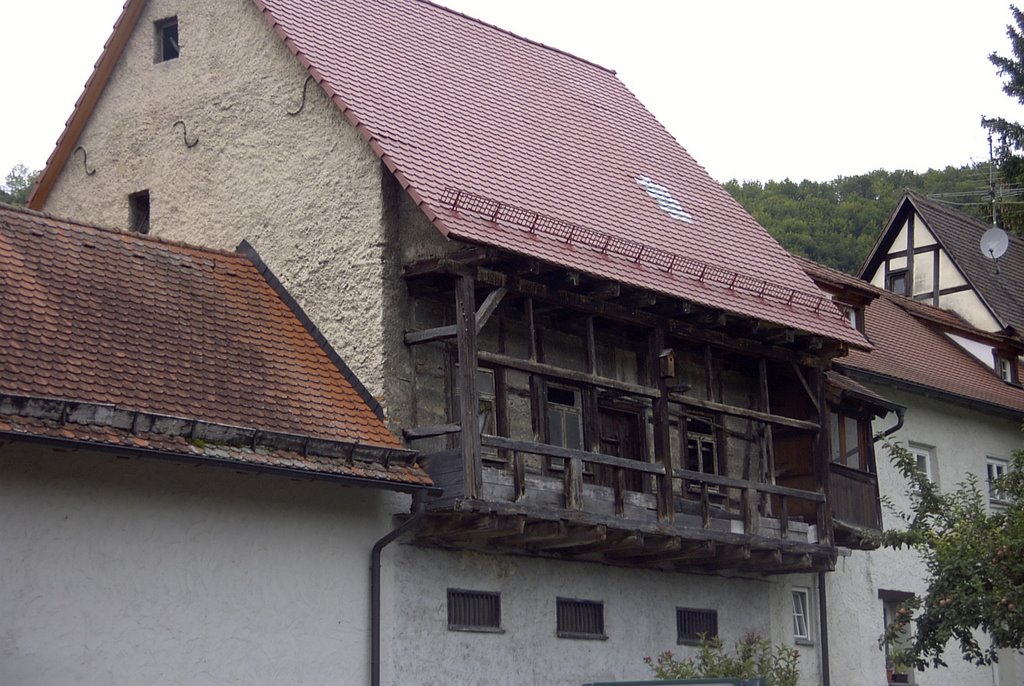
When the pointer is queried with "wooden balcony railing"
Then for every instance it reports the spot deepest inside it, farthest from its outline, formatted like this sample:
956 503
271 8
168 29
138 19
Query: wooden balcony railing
710 491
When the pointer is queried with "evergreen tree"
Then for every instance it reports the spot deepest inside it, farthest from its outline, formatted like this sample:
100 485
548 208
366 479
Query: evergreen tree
1009 134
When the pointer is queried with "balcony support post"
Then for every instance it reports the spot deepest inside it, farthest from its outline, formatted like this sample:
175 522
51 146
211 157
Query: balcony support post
469 402
822 466
661 428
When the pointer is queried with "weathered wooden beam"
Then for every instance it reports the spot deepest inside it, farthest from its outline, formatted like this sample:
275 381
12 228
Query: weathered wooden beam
661 428
566 374
614 541
445 265
541 532
768 455
440 333
548 450
729 482
473 527
488 306
518 476
430 431
605 291
645 467
713 320
465 323
776 419
811 395
577 536
611 311
573 484
662 548
822 466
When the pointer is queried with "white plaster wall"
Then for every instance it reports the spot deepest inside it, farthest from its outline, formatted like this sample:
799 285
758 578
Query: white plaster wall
639 611
922 236
962 438
126 571
305 190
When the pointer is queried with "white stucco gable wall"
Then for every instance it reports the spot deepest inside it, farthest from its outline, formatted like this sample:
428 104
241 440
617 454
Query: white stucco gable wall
305 190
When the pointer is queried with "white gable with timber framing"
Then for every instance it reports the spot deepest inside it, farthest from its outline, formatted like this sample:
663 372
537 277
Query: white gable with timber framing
930 275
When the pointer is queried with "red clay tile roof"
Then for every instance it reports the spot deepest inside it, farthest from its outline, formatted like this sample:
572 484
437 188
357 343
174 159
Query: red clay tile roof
909 350
452 105
109 318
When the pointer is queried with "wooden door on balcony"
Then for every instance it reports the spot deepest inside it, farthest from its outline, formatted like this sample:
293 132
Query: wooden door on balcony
622 436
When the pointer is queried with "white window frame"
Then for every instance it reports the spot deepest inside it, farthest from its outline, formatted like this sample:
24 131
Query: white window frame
925 456
995 467
802 615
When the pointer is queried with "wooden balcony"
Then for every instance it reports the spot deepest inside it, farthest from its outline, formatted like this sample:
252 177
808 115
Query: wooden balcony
618 484
713 523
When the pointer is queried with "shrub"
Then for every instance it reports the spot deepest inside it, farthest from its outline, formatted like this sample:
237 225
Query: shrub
752 657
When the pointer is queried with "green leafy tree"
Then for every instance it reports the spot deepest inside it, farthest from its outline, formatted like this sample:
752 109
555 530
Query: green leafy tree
752 657
973 565
1010 134
18 185
836 222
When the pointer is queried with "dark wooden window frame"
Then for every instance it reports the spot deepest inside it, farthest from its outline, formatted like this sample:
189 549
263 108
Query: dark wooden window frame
166 36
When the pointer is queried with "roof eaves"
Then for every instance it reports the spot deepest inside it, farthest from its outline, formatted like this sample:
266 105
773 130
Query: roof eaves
931 392
207 442
86 103
917 200
884 238
246 249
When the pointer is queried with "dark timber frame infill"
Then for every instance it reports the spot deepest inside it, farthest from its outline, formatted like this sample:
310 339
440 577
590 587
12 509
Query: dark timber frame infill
765 508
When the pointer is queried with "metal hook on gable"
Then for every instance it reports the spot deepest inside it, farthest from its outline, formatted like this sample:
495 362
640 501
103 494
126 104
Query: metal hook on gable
85 160
302 105
184 134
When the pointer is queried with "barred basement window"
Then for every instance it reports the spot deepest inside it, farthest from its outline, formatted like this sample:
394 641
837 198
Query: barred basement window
474 610
692 625
580 619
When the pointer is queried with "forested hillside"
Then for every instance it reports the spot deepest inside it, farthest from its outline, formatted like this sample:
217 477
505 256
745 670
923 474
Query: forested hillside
836 222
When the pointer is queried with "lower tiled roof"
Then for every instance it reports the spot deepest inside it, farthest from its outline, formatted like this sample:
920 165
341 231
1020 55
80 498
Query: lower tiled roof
105 437
913 350
94 317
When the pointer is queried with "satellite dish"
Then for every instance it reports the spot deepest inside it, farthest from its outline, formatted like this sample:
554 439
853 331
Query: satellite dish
994 243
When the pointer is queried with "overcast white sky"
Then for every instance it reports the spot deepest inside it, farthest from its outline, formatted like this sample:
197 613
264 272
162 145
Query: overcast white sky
753 89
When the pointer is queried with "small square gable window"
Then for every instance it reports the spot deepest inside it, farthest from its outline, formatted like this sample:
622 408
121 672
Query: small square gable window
167 39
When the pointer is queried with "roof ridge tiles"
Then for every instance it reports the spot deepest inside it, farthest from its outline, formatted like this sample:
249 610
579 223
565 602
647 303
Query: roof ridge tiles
144 238
515 35
672 262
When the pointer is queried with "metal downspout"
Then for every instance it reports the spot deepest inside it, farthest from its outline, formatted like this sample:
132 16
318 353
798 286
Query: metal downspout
823 620
899 423
418 510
